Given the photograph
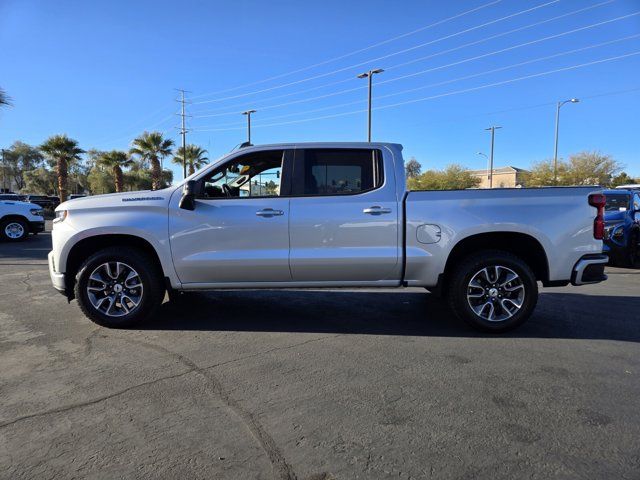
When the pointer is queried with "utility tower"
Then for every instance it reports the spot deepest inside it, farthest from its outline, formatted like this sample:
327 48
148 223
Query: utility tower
183 129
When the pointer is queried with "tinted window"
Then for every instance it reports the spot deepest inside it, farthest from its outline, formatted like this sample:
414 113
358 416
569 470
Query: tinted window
616 201
339 172
253 175
636 201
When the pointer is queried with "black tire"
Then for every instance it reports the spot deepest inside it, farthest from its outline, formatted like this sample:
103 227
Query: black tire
151 279
469 267
7 225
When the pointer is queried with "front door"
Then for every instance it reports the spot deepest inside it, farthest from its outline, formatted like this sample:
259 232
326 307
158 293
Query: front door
239 229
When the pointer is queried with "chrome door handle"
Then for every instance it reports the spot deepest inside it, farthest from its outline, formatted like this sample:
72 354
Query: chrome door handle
376 210
269 212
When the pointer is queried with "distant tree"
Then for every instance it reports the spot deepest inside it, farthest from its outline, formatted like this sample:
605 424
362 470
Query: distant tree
453 177
196 158
40 180
5 100
585 168
152 147
271 187
100 180
592 168
116 160
623 179
79 177
140 179
21 158
541 174
413 168
61 151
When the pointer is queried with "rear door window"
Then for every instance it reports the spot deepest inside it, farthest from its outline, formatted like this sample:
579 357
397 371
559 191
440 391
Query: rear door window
336 171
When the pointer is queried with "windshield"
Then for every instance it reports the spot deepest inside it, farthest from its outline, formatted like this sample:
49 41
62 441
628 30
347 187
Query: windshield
615 202
8 197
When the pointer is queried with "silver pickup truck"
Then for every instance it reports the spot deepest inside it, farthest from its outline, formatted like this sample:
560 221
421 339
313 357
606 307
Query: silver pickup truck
325 215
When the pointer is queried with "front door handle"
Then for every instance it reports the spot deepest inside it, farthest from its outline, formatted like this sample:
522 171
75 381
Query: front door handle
269 212
376 210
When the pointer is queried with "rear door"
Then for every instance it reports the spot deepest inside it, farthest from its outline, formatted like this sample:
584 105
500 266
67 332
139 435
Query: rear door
343 217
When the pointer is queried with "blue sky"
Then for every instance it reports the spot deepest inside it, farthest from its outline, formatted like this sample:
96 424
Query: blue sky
103 72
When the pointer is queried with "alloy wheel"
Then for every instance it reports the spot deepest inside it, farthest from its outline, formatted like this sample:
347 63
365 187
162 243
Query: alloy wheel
495 293
115 289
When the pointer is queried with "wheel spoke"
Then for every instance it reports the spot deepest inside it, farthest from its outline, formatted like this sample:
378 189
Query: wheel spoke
495 293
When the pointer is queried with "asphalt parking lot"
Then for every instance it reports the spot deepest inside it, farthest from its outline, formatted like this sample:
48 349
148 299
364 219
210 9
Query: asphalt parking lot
345 384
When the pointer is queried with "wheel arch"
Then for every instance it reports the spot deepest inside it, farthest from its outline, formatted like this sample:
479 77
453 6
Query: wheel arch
524 246
89 245
14 216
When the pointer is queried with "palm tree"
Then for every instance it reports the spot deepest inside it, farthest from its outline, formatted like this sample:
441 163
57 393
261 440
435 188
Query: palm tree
116 160
196 158
61 151
152 147
4 98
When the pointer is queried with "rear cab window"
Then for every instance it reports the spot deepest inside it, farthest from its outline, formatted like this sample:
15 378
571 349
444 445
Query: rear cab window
336 171
617 201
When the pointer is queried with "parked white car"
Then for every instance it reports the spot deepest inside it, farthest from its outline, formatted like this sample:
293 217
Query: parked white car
19 219
325 215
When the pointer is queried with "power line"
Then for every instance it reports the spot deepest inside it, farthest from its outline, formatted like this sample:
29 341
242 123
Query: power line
355 52
125 137
234 112
384 56
493 37
465 61
445 82
456 92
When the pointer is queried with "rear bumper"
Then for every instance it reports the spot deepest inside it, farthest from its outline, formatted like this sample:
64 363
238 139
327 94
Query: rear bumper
57 278
589 269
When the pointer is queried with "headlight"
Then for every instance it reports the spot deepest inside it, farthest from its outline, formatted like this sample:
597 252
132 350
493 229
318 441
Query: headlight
37 212
618 233
60 216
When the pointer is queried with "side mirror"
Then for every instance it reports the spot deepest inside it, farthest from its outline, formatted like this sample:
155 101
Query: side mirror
188 199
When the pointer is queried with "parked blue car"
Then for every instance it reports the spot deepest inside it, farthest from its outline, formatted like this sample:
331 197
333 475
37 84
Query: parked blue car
622 226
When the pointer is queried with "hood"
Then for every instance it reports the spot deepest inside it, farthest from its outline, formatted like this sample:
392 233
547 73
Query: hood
614 217
18 203
123 199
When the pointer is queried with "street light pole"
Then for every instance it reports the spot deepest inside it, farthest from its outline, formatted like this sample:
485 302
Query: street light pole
485 156
370 75
493 134
555 150
248 114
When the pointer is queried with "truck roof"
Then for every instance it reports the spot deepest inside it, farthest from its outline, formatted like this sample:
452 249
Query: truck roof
394 146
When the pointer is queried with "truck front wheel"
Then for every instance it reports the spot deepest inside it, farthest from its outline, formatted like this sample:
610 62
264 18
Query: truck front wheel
119 287
14 230
493 291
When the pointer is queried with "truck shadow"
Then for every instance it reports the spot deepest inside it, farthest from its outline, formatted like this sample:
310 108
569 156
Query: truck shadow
411 313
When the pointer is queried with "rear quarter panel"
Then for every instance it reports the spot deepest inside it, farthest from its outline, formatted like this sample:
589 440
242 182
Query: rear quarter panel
560 219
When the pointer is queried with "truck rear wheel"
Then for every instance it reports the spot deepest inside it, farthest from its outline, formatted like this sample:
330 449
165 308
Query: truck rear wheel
119 287
493 291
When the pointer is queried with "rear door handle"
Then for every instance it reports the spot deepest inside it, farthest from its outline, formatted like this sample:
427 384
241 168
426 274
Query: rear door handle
269 212
376 210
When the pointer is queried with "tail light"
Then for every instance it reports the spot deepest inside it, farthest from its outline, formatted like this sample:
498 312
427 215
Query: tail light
598 200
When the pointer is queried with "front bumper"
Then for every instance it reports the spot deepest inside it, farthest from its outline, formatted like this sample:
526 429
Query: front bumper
57 278
36 226
589 269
